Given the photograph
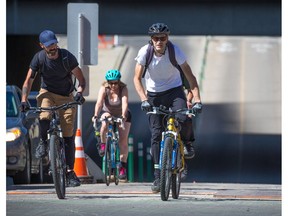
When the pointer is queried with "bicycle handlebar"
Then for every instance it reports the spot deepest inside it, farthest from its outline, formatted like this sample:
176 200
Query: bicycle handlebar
164 111
54 108
110 119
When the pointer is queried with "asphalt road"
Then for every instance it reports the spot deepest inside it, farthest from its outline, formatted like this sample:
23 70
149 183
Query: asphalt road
197 199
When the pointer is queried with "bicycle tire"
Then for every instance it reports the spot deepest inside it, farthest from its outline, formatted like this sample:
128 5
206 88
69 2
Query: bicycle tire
117 161
165 173
176 177
58 168
107 162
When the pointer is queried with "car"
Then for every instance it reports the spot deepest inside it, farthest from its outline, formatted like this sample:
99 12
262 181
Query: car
22 138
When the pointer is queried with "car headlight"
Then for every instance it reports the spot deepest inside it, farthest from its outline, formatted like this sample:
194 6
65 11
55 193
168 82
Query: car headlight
12 134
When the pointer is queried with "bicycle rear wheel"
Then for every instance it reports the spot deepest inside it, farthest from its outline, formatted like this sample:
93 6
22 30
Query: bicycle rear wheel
107 162
165 174
176 177
58 166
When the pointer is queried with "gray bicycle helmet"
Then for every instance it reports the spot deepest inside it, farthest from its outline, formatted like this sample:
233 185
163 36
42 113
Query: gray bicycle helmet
113 75
158 28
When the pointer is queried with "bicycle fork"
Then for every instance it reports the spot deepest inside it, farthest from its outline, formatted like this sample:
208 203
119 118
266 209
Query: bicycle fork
177 146
174 147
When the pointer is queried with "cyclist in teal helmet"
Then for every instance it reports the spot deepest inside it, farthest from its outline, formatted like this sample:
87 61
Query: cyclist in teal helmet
113 75
113 101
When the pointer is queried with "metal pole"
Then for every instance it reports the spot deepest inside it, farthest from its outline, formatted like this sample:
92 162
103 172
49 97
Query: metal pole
80 61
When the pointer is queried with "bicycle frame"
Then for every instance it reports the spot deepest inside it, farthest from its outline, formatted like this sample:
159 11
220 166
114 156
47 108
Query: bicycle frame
55 127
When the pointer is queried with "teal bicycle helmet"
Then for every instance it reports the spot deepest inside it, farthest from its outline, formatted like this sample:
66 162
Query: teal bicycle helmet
113 75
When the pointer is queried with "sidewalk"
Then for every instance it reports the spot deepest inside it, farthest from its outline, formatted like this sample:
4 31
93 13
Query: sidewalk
198 190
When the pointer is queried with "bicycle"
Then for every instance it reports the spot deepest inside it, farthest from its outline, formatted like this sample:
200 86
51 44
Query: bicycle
171 160
111 157
56 147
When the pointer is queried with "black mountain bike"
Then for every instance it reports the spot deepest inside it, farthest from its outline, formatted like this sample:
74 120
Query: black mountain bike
56 147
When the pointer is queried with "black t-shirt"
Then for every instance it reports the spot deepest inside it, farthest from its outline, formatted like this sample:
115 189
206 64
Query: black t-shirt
56 75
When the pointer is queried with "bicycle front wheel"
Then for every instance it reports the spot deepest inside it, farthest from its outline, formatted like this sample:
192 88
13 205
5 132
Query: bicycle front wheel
165 174
176 177
58 167
107 162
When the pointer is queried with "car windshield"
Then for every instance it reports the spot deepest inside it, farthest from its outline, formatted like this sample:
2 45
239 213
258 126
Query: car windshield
11 106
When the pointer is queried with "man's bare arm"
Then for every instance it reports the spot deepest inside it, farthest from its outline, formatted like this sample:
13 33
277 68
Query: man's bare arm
192 81
26 88
138 82
80 77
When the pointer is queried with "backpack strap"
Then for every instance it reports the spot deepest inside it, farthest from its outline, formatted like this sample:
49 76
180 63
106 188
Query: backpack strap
65 61
149 56
174 62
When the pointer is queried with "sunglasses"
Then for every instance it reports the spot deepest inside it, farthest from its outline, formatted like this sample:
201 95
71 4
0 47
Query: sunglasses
163 38
113 83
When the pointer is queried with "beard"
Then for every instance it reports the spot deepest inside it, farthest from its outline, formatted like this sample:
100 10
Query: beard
52 52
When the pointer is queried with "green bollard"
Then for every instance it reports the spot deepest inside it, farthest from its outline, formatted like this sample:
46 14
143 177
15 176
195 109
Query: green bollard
149 164
130 159
140 161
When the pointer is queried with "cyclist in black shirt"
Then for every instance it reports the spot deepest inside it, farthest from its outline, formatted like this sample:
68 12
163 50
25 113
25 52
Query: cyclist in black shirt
55 67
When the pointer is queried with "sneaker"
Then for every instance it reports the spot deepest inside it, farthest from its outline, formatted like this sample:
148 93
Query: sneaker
122 174
72 179
101 149
184 173
41 150
189 152
155 187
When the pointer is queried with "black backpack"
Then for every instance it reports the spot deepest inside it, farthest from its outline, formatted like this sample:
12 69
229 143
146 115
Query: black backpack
171 50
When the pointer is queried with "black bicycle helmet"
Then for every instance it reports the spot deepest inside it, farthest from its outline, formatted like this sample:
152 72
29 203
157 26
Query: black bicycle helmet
158 28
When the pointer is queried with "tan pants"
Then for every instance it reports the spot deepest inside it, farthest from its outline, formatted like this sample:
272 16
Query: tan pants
67 117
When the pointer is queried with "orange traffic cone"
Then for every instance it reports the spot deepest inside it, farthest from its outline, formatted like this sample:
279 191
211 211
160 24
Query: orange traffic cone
80 167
